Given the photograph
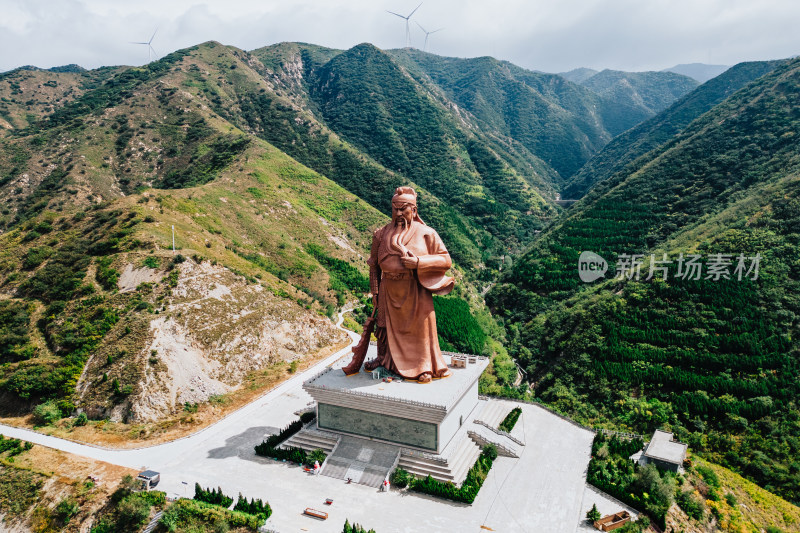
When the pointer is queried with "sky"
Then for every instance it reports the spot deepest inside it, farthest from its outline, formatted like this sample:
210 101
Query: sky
545 35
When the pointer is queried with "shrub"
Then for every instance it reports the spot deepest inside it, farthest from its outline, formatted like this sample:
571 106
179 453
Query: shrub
317 455
400 478
214 497
253 507
593 515
708 475
105 275
469 488
46 413
490 451
132 512
355 528
510 420
81 419
183 511
35 256
691 504
66 509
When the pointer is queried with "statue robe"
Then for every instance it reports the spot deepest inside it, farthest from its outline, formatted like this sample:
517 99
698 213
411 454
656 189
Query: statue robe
408 344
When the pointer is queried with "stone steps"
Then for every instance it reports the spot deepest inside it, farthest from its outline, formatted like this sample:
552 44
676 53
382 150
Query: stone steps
310 440
494 411
454 469
483 436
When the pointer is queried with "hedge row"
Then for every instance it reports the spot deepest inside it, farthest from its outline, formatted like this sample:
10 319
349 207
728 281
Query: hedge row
468 490
510 420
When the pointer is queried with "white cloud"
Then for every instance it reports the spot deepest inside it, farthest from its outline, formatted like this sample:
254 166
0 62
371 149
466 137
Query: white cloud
549 35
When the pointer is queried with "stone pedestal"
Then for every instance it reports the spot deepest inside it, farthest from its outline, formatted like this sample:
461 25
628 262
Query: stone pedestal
405 413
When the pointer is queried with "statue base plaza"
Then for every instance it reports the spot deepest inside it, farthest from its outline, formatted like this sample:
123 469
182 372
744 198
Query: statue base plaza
369 425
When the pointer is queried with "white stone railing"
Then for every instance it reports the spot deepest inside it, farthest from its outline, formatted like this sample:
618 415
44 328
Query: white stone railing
500 432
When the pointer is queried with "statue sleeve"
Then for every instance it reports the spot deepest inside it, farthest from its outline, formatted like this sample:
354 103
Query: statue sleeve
432 267
438 257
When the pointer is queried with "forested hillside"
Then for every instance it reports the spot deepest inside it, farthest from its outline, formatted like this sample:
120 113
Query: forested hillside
561 122
636 96
97 313
714 358
272 186
623 150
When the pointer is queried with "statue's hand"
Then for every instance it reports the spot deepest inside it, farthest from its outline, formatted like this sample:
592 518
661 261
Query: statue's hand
410 262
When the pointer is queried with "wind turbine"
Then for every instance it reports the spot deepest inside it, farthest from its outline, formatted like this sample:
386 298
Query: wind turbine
408 31
150 51
425 46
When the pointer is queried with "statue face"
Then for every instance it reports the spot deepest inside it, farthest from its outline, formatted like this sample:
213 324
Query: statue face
403 214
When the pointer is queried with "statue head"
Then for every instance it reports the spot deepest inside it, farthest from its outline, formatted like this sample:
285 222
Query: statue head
404 207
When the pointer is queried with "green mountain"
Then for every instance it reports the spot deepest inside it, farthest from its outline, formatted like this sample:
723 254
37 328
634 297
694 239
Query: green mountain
97 312
561 122
628 146
578 75
636 96
699 71
272 189
713 360
315 114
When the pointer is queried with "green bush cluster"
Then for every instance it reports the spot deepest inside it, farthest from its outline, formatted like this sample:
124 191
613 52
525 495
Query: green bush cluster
47 413
269 448
105 275
213 496
355 528
14 326
35 256
14 446
691 504
206 161
469 488
186 514
130 511
253 507
645 488
510 420
343 276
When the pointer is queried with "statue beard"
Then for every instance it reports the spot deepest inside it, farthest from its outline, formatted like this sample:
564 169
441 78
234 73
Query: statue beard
401 228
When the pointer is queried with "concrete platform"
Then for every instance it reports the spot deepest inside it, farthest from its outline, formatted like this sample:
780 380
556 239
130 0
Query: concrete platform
441 393
400 412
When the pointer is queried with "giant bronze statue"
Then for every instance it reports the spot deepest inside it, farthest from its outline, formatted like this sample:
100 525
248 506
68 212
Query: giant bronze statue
407 266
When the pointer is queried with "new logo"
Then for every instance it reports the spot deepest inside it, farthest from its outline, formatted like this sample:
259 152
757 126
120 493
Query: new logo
591 267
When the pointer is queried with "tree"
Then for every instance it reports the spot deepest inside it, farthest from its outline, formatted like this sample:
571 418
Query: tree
593 515
47 413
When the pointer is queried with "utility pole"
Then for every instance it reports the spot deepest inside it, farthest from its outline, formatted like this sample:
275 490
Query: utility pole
173 239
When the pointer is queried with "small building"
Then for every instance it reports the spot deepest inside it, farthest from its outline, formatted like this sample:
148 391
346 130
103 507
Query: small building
664 451
148 479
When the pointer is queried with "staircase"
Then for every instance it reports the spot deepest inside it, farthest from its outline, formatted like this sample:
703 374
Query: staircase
453 467
482 436
153 523
363 461
494 411
310 439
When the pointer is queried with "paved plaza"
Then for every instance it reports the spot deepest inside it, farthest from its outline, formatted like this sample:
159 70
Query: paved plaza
543 490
